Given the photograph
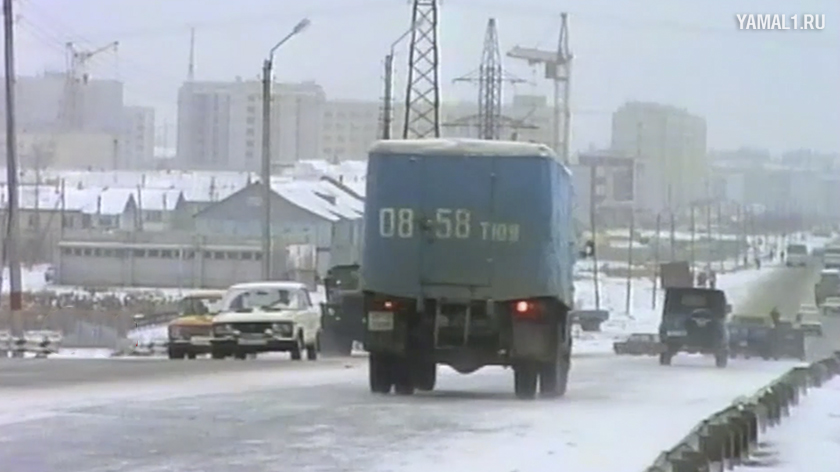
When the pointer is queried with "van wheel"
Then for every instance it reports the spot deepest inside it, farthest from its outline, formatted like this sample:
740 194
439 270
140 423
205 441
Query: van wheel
240 355
191 355
665 358
525 377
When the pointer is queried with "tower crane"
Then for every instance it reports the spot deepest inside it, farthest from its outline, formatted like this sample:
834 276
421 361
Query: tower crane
72 113
558 69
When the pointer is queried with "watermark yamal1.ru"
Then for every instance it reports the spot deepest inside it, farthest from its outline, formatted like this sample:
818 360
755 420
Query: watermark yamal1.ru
775 21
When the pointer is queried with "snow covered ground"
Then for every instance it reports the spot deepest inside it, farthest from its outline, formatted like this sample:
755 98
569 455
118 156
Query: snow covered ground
807 441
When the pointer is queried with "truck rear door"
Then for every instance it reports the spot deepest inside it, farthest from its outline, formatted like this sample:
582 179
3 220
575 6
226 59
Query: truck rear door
458 205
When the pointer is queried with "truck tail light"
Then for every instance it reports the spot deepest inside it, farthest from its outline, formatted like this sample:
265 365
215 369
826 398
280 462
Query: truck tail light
526 309
384 305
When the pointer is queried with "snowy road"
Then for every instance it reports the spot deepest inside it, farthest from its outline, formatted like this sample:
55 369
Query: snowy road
204 416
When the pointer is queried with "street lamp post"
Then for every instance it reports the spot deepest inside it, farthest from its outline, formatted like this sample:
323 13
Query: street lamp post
265 174
388 98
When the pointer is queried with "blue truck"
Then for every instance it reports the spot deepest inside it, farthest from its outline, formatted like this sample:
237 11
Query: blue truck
468 253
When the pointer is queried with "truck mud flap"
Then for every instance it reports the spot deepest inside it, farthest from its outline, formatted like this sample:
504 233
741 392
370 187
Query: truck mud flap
387 339
532 341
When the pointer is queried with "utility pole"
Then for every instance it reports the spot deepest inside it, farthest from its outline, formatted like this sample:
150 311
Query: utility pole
693 230
265 171
10 248
673 224
629 288
632 230
593 174
739 219
388 95
422 95
720 255
711 242
656 260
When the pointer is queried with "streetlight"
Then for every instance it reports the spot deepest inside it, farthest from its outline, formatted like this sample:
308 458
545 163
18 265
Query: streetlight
266 147
387 97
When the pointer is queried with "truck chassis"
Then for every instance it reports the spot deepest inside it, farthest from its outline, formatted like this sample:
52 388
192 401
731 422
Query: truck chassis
408 338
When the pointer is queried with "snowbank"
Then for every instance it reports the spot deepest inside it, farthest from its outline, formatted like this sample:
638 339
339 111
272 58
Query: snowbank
809 440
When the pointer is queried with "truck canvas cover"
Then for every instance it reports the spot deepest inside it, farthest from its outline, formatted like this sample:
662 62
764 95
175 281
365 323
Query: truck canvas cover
675 274
470 218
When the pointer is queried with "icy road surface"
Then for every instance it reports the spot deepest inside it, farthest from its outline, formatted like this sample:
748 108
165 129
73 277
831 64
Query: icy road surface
268 415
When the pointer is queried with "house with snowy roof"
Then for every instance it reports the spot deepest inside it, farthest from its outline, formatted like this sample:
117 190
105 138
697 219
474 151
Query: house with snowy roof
315 212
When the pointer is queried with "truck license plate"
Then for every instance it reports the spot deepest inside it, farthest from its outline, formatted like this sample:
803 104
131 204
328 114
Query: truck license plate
677 333
380 321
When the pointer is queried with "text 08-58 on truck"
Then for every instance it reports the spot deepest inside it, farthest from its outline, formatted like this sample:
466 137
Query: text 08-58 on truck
467 261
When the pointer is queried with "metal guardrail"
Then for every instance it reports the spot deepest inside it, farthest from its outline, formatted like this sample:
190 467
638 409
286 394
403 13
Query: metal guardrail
133 348
144 320
726 438
41 344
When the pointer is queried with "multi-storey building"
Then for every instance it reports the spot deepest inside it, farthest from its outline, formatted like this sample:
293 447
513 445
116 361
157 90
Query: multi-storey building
350 126
220 124
670 145
136 144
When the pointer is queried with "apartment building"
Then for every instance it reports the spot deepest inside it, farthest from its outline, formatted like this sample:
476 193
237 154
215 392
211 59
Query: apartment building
136 143
670 144
350 126
42 104
220 124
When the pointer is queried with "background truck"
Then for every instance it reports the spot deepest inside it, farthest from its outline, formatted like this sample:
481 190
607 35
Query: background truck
675 274
827 286
342 315
797 255
831 257
467 261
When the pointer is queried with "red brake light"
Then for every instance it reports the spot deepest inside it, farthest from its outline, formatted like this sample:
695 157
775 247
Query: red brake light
388 305
526 309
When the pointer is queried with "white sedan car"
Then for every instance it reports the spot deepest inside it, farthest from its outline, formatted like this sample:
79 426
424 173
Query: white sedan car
259 317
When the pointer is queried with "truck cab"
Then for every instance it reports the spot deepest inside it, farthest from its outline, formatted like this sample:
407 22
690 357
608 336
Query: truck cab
342 315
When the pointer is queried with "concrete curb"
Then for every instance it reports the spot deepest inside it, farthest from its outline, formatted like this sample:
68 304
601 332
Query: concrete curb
726 438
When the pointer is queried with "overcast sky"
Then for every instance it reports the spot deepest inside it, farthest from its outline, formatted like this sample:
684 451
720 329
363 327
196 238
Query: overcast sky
773 89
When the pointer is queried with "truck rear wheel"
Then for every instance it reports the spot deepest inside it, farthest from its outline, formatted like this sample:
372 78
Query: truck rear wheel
380 373
425 376
554 377
721 359
175 353
525 377
404 376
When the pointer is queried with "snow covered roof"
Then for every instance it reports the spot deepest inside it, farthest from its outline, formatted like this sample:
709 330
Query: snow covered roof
302 185
319 197
461 146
